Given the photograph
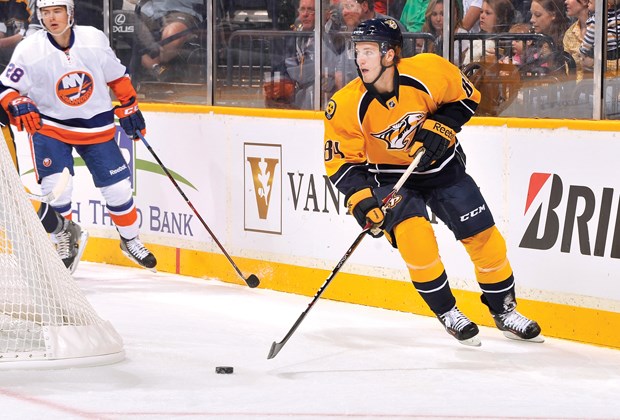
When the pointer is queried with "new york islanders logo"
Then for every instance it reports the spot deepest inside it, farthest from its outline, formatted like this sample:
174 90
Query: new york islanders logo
75 88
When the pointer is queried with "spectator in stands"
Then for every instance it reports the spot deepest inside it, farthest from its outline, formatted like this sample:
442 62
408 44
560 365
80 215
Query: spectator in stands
381 6
351 13
433 19
295 85
613 43
164 27
333 18
14 17
497 17
518 50
355 12
433 24
578 10
549 18
334 41
471 15
412 16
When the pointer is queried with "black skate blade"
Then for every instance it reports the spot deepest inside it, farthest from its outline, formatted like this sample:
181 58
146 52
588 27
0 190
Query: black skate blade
132 259
538 339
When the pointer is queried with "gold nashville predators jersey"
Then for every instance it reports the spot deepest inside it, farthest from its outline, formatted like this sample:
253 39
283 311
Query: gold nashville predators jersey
367 134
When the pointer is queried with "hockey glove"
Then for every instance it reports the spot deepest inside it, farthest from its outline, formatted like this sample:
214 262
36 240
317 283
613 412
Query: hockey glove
366 209
436 138
131 118
25 114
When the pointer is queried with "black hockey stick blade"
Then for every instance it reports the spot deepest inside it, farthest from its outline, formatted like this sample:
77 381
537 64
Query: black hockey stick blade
252 281
276 347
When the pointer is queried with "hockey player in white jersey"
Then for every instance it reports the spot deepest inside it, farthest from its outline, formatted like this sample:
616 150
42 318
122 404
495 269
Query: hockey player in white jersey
56 88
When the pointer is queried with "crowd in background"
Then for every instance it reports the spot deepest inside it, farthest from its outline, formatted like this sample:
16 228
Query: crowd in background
165 33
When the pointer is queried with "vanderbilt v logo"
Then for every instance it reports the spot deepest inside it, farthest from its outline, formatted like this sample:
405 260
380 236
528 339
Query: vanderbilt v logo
262 195
263 170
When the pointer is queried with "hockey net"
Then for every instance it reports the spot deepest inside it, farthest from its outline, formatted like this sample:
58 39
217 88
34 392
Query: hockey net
45 320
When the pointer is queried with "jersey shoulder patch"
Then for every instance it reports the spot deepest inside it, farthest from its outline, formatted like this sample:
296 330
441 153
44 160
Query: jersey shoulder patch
330 109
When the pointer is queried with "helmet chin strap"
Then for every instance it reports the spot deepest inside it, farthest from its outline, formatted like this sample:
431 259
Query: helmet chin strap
60 33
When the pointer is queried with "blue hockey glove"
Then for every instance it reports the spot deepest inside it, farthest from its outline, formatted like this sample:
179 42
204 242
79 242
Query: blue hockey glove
25 114
131 118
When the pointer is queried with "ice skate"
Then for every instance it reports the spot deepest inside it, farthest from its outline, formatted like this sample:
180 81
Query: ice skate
460 327
70 244
138 253
517 327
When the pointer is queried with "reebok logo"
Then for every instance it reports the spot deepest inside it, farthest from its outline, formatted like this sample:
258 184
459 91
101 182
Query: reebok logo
443 130
117 170
576 213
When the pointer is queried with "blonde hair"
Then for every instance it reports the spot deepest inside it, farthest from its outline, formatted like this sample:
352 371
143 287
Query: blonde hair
428 27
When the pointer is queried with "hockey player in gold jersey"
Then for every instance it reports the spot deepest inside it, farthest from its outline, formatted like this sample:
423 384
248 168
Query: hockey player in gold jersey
373 127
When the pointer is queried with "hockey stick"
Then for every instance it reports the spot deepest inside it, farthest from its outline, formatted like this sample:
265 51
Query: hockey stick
252 281
276 347
58 189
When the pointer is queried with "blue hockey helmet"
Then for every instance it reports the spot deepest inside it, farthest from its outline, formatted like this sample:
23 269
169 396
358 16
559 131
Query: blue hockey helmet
383 31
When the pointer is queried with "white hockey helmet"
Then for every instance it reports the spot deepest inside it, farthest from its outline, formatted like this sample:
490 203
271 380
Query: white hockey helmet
48 3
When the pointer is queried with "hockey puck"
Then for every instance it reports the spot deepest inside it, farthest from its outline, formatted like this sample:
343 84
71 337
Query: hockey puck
224 369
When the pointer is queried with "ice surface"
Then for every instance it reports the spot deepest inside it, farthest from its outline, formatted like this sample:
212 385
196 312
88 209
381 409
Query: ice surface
344 361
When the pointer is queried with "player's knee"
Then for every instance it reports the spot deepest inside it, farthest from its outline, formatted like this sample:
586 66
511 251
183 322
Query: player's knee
487 251
117 194
418 247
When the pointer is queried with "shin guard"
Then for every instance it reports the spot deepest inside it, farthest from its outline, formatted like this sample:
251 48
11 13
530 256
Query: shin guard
418 246
487 251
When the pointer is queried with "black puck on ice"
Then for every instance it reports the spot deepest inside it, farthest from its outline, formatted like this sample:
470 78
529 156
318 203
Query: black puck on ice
224 369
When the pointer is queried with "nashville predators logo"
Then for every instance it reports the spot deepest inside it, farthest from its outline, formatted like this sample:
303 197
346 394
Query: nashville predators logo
391 23
392 202
399 136
75 88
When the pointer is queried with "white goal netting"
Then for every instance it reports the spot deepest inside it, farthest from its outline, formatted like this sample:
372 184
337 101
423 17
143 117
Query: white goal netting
45 320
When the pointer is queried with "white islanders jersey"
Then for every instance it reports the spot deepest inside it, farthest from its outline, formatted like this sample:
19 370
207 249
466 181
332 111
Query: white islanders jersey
69 87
